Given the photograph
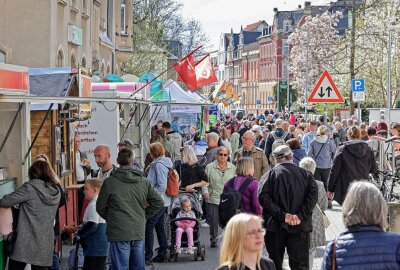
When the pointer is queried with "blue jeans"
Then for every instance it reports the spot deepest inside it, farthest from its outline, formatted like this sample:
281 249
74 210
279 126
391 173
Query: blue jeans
127 255
156 222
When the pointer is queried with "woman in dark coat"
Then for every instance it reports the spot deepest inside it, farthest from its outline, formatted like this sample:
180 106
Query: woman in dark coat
353 161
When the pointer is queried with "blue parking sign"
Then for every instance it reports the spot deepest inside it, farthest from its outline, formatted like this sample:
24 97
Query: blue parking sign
357 85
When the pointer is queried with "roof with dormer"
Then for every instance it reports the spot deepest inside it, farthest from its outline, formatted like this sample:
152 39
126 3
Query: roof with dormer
253 26
297 15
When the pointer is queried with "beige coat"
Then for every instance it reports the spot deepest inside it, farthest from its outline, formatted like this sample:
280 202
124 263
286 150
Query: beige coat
259 158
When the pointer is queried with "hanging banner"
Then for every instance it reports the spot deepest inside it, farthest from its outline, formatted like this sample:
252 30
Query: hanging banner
14 79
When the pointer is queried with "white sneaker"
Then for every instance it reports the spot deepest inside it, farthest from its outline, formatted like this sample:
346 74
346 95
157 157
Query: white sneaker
190 250
205 225
178 250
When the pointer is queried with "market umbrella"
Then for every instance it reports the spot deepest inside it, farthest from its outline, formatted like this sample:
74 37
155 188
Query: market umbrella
112 78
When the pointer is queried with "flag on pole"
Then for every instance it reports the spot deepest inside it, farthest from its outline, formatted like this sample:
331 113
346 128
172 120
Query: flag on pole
226 94
205 72
195 74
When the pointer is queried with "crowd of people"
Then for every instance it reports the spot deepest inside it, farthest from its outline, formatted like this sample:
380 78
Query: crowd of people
291 169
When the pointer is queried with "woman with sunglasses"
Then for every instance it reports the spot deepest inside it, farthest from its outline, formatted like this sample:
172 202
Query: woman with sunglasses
218 173
243 245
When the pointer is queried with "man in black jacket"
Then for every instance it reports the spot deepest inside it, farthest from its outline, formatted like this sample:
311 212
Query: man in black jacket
288 196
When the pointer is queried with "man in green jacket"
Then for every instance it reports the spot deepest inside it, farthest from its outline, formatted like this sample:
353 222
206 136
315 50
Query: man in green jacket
125 201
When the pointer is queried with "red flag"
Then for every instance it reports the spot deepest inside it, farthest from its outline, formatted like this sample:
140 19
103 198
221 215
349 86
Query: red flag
205 72
186 70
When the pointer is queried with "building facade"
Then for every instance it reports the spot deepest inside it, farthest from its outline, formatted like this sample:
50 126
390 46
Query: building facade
96 34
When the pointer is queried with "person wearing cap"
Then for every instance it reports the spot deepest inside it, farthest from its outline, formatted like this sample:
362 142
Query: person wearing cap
288 196
250 150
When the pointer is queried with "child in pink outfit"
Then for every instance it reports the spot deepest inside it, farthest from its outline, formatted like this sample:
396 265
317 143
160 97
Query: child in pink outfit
185 226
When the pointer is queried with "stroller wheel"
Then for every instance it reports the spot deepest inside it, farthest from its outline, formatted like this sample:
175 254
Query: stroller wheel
203 252
195 256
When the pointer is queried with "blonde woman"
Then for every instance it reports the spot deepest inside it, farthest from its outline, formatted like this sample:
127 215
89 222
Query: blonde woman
192 174
244 173
243 244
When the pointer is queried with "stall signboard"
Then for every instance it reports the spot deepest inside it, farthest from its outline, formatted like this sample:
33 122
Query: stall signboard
13 79
213 115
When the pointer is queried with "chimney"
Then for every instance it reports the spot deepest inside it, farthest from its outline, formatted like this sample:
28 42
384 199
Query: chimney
307 8
299 6
275 10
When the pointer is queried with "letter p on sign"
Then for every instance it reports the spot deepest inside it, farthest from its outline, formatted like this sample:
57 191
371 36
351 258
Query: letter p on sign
357 85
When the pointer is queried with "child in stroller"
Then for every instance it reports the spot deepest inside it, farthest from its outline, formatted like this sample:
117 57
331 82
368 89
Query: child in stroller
185 213
185 225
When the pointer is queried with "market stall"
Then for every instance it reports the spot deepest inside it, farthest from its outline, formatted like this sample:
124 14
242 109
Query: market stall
113 121
14 138
14 124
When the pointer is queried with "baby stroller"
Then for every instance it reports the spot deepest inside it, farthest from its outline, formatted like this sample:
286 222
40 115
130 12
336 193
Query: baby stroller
173 210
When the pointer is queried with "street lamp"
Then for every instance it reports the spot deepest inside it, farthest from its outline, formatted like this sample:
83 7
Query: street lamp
388 92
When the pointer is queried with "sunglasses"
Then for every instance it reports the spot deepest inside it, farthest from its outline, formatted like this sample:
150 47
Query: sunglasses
225 155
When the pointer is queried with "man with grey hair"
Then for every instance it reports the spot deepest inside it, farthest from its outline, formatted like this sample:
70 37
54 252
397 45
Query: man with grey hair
339 134
211 152
374 124
288 196
250 150
278 133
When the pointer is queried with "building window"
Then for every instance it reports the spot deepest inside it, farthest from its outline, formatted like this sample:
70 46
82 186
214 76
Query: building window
73 61
83 62
109 19
2 57
60 59
285 48
285 72
123 17
287 25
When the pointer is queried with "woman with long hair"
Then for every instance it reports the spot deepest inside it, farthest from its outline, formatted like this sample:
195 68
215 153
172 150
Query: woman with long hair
35 234
243 244
157 175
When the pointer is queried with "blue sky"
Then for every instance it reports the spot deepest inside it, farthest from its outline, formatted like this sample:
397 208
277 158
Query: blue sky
219 16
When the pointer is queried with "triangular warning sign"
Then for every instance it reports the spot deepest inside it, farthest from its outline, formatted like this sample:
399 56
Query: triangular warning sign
325 90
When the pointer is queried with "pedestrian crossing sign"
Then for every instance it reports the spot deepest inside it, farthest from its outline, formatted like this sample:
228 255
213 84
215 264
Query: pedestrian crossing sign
325 91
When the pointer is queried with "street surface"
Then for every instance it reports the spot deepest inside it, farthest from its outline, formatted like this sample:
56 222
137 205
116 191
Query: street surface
212 254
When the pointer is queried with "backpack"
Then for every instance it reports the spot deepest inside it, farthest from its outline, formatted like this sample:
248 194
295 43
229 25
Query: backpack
278 141
172 183
231 201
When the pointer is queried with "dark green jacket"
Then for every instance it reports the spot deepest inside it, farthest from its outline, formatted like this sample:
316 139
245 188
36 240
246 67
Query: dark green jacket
122 201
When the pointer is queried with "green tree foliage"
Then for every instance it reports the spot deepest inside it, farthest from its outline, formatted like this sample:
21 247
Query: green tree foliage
283 96
155 22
